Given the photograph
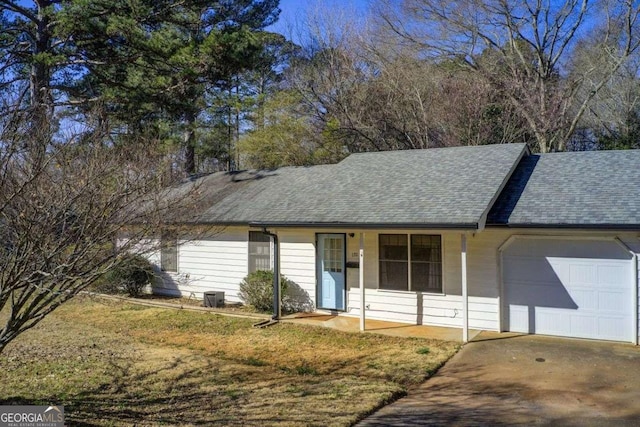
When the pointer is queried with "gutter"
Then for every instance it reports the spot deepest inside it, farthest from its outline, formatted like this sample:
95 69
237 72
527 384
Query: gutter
312 224
570 226
363 226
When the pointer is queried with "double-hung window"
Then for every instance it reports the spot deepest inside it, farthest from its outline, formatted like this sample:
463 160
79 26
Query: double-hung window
410 262
259 251
169 252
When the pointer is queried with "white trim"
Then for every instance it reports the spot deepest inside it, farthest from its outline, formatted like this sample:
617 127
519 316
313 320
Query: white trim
399 291
409 263
361 280
272 253
465 291
500 299
634 289
513 237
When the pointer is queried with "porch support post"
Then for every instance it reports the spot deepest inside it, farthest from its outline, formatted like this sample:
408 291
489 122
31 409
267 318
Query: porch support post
465 295
361 281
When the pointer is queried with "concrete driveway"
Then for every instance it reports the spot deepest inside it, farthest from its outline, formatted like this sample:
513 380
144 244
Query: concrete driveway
526 380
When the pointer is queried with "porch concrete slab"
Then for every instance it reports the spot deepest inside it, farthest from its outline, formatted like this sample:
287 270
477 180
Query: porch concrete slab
352 324
501 379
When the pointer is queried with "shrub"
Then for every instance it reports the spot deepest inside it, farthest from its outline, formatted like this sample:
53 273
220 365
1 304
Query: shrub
130 276
256 290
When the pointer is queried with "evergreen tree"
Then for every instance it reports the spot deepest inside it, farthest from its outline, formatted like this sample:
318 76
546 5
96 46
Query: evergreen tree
142 61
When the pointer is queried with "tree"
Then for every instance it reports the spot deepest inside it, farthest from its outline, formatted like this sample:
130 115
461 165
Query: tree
284 137
180 52
28 65
330 77
373 94
612 120
60 217
144 61
531 45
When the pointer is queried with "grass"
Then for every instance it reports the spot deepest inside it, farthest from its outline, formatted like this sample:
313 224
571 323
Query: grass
113 363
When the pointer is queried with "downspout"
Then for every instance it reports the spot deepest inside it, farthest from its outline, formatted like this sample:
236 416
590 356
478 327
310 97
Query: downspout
277 311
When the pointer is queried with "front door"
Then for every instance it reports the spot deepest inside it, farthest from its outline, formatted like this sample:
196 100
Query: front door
331 271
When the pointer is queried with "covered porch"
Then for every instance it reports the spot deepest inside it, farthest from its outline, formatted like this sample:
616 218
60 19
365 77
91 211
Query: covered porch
349 280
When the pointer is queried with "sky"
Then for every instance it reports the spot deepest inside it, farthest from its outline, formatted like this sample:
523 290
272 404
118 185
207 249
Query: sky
294 12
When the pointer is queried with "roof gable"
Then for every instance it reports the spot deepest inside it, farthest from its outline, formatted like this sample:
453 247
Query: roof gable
572 189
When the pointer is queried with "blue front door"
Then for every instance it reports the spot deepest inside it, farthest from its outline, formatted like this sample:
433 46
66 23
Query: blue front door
331 271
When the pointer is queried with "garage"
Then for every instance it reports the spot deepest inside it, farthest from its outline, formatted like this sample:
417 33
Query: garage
578 288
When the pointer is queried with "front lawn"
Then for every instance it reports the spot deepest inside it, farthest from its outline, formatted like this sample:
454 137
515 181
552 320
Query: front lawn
113 363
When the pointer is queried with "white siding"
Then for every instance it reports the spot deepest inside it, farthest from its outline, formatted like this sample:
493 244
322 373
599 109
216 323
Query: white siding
216 263
298 261
220 263
483 280
431 309
436 310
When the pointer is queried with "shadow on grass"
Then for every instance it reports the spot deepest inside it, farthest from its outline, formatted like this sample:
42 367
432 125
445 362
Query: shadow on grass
197 390
161 395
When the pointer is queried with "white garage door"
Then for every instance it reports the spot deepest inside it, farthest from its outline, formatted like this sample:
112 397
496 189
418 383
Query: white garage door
570 288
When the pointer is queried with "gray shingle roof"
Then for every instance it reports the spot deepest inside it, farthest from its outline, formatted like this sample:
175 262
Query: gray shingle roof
444 187
573 189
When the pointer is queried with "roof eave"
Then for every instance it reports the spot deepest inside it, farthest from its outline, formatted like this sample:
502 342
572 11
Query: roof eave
326 225
569 226
378 225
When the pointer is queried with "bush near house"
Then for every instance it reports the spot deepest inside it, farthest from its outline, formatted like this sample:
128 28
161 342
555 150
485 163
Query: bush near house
256 290
129 276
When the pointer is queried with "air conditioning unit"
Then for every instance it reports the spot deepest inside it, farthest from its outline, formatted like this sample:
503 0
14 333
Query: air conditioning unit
214 299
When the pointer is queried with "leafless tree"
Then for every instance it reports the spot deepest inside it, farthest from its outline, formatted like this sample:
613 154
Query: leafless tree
613 117
377 93
525 50
62 209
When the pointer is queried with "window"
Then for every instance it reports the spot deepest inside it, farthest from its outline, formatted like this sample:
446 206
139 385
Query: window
414 267
426 263
333 255
394 265
259 251
169 252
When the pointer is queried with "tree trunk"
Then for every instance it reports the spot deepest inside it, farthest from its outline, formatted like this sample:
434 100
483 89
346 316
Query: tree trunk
189 143
229 131
237 125
41 102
